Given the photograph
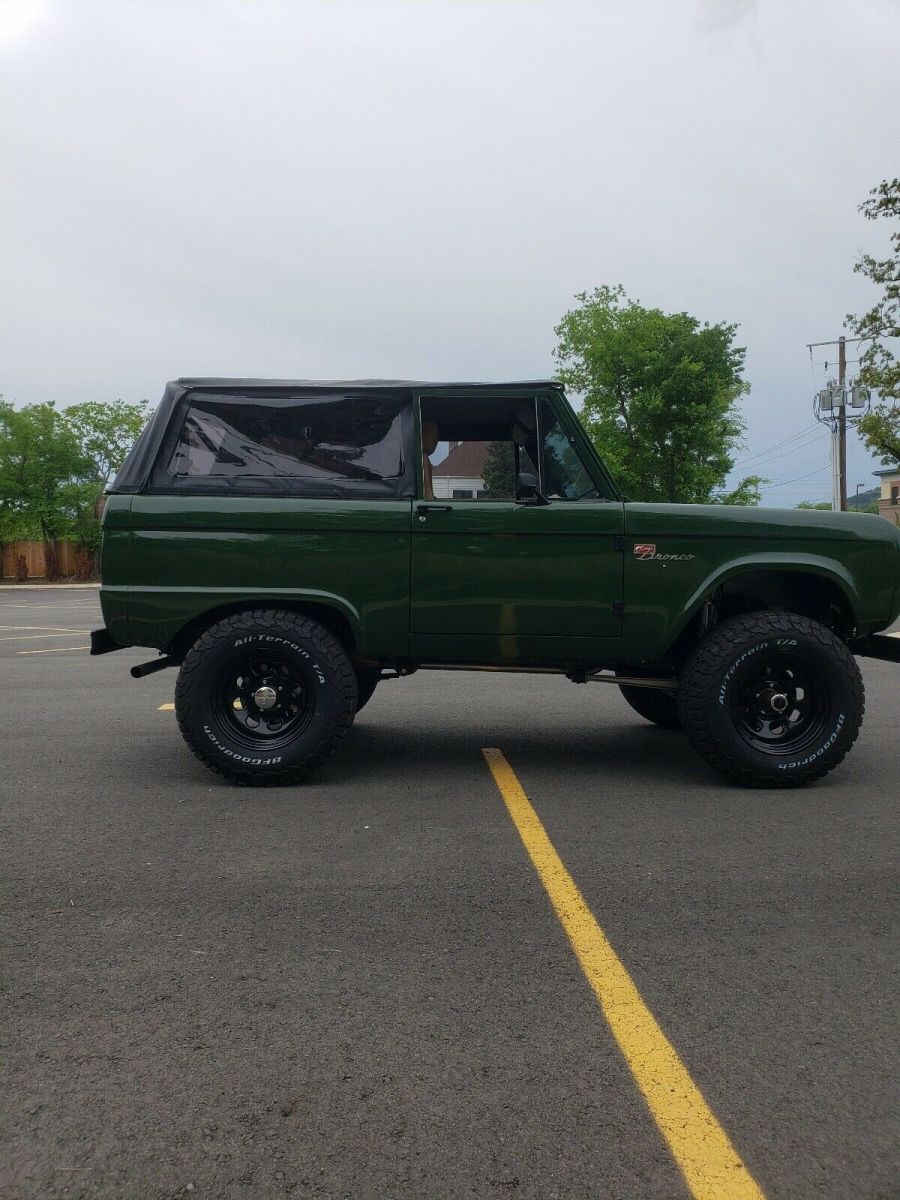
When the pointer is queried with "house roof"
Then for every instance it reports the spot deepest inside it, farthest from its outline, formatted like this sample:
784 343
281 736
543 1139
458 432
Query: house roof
895 470
465 461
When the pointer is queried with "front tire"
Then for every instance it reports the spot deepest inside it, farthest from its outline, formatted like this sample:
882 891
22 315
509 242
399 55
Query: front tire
264 697
771 699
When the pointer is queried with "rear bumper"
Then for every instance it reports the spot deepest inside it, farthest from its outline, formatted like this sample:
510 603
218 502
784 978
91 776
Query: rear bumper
879 645
102 642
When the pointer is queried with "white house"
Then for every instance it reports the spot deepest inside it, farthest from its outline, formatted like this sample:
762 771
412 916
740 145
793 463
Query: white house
461 475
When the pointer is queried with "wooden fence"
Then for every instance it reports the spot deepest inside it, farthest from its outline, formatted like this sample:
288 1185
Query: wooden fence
33 553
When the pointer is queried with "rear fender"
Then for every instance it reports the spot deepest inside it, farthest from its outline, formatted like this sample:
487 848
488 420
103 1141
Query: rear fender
173 618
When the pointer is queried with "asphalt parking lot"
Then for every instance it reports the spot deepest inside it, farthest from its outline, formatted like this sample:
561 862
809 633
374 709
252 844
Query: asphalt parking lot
360 988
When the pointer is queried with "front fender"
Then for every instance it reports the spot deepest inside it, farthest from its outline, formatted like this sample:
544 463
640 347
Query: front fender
809 564
662 601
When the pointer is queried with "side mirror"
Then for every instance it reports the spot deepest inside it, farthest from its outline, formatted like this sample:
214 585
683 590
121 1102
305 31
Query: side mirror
527 491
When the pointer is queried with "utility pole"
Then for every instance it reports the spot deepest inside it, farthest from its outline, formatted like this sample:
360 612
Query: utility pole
842 425
830 407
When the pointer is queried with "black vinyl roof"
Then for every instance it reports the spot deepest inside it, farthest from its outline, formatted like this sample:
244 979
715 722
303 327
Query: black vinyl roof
419 385
137 466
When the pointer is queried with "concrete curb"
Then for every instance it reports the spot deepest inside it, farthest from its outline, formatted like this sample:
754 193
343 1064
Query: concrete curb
44 587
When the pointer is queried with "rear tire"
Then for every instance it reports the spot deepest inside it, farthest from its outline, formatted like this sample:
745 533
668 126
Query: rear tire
264 697
771 699
653 704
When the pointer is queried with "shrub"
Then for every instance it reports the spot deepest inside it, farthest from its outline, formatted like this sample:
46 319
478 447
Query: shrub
51 562
84 565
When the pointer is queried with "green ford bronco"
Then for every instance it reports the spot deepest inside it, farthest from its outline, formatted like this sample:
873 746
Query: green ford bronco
288 546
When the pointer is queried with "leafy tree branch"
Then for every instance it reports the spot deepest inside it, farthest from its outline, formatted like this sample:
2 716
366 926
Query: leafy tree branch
660 396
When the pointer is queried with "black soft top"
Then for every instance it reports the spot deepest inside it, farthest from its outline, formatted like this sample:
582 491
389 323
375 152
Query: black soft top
336 385
136 469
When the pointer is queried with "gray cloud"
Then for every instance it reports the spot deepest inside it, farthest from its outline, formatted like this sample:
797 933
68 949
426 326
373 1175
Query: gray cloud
402 188
722 14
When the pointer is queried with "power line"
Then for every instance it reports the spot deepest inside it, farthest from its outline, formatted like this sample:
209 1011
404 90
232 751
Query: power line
826 363
785 482
867 337
791 450
778 445
808 491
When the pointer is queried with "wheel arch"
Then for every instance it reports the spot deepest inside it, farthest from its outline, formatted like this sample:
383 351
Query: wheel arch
823 591
341 620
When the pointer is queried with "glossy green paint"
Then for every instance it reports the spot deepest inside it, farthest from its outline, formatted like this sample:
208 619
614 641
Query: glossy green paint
484 582
183 556
528 582
714 543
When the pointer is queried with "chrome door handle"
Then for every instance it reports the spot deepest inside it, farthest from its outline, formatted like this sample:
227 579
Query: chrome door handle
422 510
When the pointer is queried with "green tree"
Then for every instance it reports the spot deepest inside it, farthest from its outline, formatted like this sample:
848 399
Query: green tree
870 506
500 471
880 429
105 433
879 366
54 467
747 493
661 394
44 474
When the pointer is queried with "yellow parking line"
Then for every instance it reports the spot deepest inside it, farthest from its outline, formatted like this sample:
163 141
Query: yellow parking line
710 1164
166 708
55 650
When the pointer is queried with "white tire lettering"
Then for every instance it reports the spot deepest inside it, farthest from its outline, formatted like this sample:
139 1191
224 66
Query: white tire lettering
811 758
734 666
241 758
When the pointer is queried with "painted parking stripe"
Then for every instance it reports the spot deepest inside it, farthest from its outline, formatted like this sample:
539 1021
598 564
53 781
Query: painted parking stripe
166 708
34 637
55 629
52 604
59 607
711 1166
55 650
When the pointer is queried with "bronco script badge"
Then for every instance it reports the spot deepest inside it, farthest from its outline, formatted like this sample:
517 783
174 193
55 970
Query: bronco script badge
646 552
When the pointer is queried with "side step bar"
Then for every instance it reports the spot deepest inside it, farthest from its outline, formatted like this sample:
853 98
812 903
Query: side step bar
575 674
879 645
663 685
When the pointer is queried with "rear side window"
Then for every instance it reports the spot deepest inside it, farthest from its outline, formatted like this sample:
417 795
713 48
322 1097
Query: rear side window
315 445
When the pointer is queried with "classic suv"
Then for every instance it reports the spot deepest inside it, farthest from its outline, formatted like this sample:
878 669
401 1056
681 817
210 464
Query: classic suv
281 543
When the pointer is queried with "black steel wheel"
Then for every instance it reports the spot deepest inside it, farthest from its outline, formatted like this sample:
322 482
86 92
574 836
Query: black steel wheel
777 706
264 697
653 704
772 699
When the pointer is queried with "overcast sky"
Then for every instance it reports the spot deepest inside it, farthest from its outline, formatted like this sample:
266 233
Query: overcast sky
417 189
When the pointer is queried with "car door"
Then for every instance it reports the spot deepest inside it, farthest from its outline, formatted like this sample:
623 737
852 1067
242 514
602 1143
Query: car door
500 580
